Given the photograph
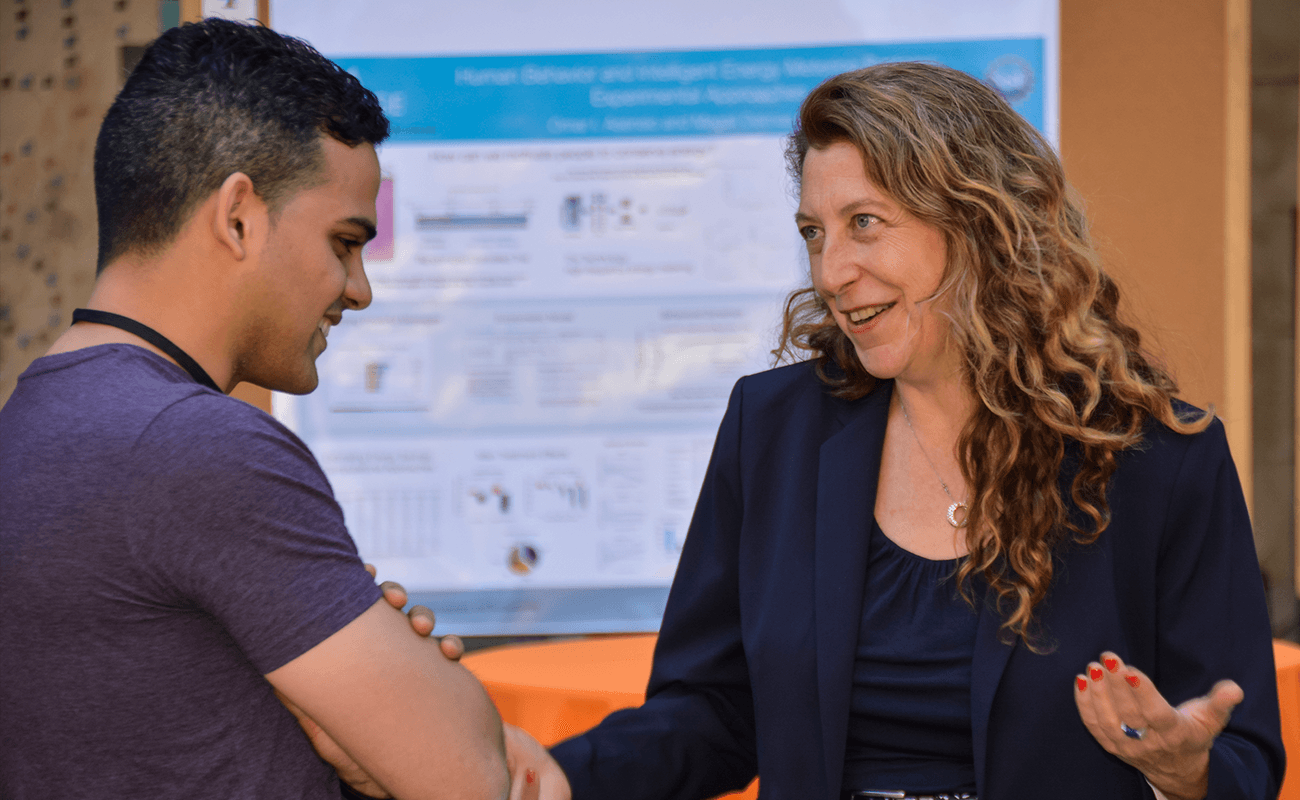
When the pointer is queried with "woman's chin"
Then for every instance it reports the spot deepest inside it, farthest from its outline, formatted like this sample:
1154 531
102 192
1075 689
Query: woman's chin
878 367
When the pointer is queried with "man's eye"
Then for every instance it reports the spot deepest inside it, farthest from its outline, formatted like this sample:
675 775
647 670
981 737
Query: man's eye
808 232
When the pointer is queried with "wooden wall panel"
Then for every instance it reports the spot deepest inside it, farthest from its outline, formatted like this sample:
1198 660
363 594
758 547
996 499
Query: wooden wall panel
60 67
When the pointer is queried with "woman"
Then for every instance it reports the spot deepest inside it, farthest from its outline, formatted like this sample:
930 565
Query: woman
973 546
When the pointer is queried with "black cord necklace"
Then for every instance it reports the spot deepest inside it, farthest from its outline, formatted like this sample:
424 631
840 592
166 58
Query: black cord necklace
151 336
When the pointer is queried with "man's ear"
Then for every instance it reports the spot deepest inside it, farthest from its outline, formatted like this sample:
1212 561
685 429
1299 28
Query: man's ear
239 215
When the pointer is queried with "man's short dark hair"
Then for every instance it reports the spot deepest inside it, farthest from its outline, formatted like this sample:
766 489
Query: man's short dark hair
210 99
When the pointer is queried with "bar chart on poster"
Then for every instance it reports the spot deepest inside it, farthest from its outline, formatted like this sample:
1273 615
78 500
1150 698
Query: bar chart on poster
585 239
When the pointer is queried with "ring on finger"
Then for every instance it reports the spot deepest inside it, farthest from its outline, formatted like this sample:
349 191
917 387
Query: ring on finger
1132 733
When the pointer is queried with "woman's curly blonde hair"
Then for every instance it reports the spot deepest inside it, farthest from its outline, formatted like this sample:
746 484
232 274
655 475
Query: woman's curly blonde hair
1055 369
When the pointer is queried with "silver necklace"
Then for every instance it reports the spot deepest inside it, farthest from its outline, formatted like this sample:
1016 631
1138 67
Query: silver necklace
956 504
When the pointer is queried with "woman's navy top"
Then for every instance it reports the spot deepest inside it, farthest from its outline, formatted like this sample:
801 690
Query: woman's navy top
909 727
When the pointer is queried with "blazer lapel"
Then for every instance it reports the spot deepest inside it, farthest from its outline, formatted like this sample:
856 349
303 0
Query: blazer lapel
987 665
846 497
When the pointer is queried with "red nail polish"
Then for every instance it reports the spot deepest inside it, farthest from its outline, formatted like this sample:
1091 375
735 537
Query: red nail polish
1082 683
529 776
1133 681
1112 664
1095 673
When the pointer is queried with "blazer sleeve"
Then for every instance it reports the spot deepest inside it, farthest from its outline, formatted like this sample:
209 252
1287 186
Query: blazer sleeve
1213 621
694 736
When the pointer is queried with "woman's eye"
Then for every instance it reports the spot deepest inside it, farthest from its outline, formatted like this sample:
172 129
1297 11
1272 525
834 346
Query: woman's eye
808 232
863 220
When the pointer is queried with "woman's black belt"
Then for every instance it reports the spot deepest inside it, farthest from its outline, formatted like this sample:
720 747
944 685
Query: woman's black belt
870 794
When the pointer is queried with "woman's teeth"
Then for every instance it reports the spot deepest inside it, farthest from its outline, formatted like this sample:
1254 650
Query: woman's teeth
863 314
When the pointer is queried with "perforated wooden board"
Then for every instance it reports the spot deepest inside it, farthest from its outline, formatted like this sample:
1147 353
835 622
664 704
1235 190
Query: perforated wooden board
60 67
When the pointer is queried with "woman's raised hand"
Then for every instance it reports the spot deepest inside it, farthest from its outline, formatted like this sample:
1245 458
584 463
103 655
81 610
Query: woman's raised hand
1129 717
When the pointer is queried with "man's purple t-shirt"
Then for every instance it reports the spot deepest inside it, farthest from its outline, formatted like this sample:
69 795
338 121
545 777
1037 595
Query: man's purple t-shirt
162 547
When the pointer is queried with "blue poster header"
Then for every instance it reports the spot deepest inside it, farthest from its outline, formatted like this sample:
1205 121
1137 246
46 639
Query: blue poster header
673 93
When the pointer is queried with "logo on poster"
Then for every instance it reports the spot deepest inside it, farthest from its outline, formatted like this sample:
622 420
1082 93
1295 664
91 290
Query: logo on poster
1012 76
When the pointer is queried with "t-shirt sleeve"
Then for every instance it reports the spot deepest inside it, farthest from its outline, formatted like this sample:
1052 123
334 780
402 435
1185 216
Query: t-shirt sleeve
235 519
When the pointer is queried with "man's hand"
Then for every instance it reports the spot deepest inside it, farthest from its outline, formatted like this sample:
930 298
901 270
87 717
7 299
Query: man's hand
422 619
349 771
534 774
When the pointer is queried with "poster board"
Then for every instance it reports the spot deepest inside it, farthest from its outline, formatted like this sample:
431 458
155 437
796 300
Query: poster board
585 239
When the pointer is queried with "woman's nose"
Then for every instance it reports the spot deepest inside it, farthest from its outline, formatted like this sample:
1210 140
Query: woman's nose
837 265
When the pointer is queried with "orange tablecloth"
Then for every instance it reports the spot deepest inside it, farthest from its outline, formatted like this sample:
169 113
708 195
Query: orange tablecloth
1287 656
558 689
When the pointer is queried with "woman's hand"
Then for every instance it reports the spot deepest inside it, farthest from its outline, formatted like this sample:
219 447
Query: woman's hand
542 778
1131 719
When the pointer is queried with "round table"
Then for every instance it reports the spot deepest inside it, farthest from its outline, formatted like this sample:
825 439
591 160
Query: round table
1286 657
555 690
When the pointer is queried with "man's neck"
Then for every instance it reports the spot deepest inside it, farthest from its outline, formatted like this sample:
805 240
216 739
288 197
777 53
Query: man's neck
164 298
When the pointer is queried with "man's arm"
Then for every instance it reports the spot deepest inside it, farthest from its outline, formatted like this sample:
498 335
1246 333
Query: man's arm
419 724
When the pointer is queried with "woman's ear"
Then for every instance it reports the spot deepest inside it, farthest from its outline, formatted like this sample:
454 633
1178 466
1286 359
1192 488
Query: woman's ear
238 215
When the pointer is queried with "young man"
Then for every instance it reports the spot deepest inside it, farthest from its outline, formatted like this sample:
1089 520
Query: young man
171 558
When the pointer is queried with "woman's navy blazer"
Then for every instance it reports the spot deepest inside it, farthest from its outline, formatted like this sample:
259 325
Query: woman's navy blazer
753 667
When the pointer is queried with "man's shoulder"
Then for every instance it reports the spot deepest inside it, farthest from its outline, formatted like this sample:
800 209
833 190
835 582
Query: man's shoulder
212 432
125 403
206 414
118 386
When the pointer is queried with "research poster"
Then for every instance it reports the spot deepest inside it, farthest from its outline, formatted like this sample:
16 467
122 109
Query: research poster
585 238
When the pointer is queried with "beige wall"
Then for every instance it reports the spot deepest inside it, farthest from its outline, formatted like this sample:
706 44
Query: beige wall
1154 133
